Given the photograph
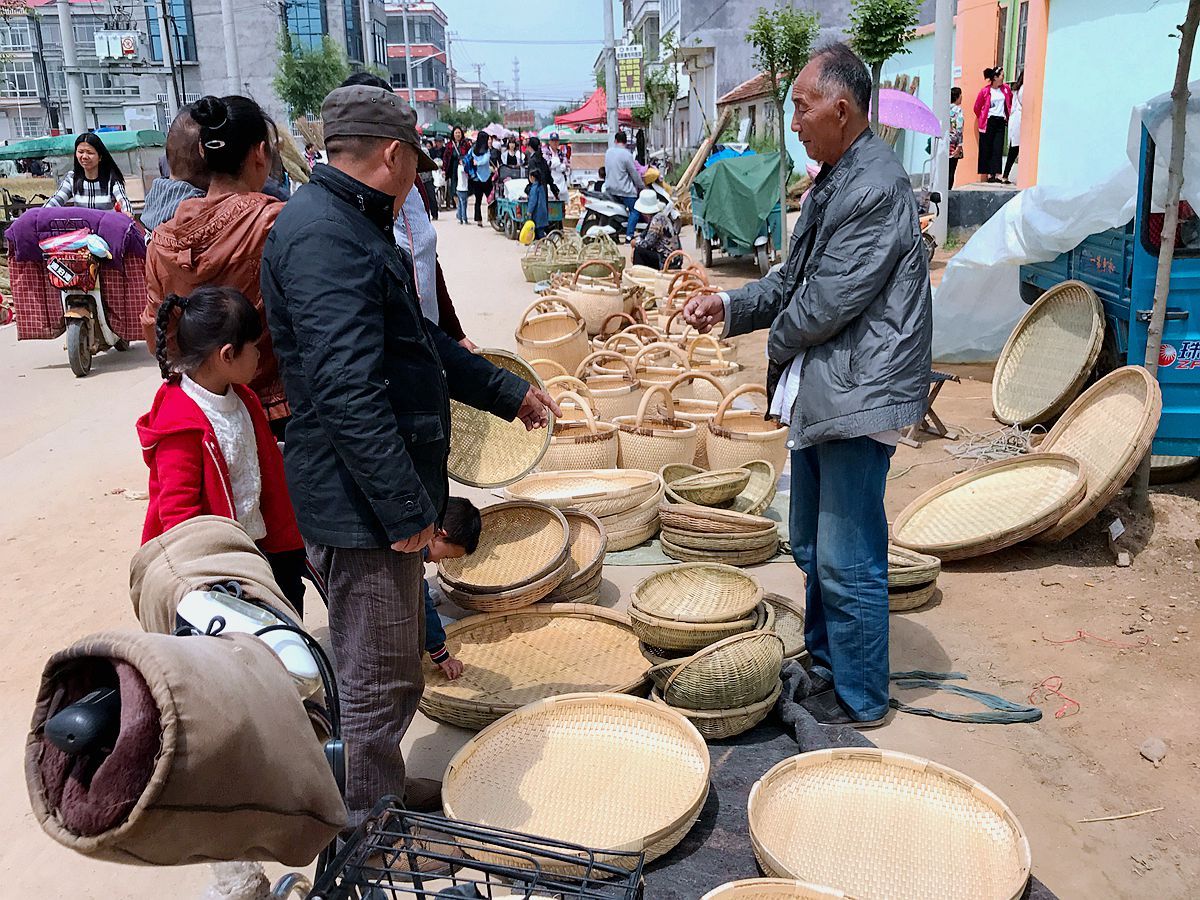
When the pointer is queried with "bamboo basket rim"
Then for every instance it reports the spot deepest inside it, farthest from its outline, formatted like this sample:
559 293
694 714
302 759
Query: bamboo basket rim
631 485
726 608
453 571
762 620
711 715
681 513
996 538
593 524
901 763
771 889
914 568
740 558
779 601
733 626
507 600
714 487
721 543
680 665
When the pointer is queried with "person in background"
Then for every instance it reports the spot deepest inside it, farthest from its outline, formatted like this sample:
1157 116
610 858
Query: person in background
661 237
622 179
219 238
276 184
849 355
956 131
560 169
95 181
992 107
456 152
457 535
511 154
541 183
206 438
1014 126
189 177
310 153
479 171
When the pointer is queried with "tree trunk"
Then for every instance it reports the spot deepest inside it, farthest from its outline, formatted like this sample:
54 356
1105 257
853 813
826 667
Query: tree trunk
1166 253
876 74
783 175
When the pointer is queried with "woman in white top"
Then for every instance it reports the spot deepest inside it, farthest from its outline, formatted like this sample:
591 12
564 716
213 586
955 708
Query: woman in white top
95 181
993 105
1014 126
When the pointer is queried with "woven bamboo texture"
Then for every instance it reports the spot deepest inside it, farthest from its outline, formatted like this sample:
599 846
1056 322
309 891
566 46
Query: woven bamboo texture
731 673
515 658
602 492
603 770
506 601
718 724
520 543
703 520
651 442
907 568
726 542
1172 469
552 330
876 823
673 636
633 536
1048 356
907 598
487 451
716 488
746 557
770 889
738 437
581 443
586 546
1109 430
789 624
585 591
698 593
992 507
598 299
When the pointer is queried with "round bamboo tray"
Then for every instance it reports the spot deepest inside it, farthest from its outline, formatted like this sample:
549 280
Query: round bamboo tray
876 823
740 558
1109 430
908 598
789 624
485 450
770 889
992 507
520 543
553 330
907 568
726 542
718 724
506 601
1049 355
1173 469
602 492
586 546
704 520
674 636
698 593
651 442
715 488
514 658
603 770
586 591
731 673
736 438
580 443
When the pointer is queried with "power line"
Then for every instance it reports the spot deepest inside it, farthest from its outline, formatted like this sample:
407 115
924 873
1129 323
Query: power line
527 41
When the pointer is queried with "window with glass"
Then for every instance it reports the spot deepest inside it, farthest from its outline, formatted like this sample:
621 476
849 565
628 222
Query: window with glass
15 36
30 126
1187 233
307 23
650 48
1001 34
1022 35
180 25
19 78
352 12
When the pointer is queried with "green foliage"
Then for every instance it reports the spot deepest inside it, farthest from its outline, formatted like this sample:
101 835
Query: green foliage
304 77
468 118
563 110
880 29
600 76
782 40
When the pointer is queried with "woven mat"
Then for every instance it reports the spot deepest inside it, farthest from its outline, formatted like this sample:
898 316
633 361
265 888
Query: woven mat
651 554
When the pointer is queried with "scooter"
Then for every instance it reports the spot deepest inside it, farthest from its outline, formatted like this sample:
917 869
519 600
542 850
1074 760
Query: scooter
74 273
605 214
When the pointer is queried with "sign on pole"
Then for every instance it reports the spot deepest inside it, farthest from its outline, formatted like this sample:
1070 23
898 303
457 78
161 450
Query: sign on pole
631 88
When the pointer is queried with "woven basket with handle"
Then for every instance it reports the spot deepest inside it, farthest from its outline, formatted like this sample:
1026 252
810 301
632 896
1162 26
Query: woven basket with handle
699 412
737 437
614 389
553 330
726 373
733 672
580 443
652 441
598 300
659 363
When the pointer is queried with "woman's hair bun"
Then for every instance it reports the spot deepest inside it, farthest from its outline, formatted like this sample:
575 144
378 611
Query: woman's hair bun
210 112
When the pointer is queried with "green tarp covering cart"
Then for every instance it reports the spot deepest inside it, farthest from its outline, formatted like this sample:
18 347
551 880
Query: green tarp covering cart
735 208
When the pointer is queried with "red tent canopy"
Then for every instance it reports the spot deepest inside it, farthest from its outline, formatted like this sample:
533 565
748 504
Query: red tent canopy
594 112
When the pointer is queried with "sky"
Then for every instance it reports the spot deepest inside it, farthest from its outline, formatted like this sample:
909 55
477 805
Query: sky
555 70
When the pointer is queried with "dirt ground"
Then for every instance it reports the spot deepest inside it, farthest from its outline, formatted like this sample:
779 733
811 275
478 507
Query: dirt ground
68 525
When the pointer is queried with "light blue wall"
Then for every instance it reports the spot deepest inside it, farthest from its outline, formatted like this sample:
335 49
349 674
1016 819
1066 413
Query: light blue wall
1102 58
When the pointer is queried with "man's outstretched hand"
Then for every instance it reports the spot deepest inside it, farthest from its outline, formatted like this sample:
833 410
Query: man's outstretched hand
535 408
704 311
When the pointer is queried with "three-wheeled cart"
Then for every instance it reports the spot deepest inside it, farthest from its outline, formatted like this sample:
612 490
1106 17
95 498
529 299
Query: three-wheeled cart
735 209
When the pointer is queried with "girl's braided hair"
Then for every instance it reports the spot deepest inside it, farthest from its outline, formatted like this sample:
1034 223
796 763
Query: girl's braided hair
208 319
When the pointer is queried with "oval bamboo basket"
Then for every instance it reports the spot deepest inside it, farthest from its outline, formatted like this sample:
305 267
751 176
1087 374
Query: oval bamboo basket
743 557
699 593
674 636
587 544
639 769
633 536
731 673
557 384
789 624
907 568
876 823
602 492
617 393
704 520
508 600
756 497
556 333
727 543
596 300
727 373
1049 355
520 543
736 438
623 318
764 620
580 443
485 450
514 658
651 442
718 724
992 507
642 514
714 488
910 598
770 889
1109 430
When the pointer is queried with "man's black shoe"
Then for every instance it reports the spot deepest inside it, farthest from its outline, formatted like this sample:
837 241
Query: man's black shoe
828 710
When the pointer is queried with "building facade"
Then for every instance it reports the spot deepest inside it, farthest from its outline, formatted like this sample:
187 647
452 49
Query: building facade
427 44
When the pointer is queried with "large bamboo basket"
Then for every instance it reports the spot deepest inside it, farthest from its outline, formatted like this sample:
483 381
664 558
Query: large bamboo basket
1049 355
507 600
718 724
674 636
607 771
514 658
992 507
733 672
553 330
698 593
580 443
726 373
789 624
1109 430
877 823
520 542
718 487
651 442
597 300
770 889
699 412
602 492
736 438
615 391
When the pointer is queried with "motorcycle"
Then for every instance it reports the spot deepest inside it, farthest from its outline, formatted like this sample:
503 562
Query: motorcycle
72 265
605 214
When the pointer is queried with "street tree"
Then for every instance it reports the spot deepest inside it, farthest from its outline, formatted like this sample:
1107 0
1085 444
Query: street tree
782 40
304 76
879 30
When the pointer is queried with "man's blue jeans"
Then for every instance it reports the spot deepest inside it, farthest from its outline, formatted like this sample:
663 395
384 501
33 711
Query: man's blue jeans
631 222
839 538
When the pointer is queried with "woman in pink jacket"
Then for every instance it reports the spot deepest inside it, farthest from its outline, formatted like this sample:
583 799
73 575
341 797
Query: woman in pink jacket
993 105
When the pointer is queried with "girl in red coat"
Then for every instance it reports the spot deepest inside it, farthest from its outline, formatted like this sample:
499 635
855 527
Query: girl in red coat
206 438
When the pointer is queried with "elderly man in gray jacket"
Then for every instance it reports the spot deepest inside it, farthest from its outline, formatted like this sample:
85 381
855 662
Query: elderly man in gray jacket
849 351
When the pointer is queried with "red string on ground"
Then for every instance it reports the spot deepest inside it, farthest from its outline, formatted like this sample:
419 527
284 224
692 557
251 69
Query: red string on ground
1080 635
1052 687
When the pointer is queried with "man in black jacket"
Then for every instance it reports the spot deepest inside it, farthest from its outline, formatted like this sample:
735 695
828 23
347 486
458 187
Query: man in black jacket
369 381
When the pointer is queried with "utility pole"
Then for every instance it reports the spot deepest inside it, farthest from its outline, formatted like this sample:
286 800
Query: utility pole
168 48
450 68
233 70
610 69
499 96
516 94
943 62
71 67
412 101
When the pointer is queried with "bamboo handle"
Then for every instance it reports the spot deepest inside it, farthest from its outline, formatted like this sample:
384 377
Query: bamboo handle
573 384
704 339
588 416
660 346
733 395
604 325
674 253
692 375
654 391
581 371
597 262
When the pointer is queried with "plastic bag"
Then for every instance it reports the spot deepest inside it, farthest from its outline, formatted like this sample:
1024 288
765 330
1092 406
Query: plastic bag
527 232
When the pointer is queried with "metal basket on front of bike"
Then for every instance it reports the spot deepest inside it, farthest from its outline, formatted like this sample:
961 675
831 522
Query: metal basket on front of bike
396 853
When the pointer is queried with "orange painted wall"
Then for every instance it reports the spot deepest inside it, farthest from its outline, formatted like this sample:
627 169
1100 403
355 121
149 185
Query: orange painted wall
975 50
1035 78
